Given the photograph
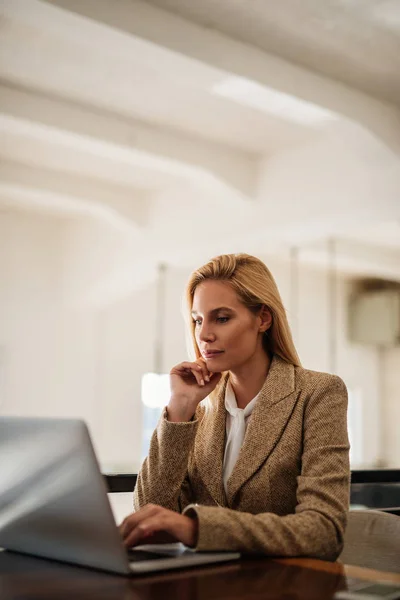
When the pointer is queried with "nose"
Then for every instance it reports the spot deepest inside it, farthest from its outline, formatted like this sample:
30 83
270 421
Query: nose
205 333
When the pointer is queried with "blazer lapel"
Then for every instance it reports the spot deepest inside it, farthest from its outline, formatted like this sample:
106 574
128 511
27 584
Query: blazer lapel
271 413
210 446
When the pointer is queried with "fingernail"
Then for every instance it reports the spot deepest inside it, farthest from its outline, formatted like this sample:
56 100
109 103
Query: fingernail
207 379
201 381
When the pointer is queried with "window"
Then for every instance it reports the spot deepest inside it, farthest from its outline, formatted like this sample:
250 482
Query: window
155 396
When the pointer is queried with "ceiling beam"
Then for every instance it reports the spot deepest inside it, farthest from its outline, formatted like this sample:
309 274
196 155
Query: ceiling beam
205 164
45 190
192 45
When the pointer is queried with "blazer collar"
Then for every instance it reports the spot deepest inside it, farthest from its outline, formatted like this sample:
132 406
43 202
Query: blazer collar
270 415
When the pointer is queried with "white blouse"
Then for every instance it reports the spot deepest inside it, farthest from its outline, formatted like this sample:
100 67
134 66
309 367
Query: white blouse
236 425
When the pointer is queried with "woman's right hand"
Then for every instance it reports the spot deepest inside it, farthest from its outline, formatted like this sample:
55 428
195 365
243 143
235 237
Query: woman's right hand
190 383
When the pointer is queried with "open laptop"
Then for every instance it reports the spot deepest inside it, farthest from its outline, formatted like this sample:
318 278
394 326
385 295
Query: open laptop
54 503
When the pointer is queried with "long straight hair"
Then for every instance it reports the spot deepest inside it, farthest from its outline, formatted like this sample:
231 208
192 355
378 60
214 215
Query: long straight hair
255 287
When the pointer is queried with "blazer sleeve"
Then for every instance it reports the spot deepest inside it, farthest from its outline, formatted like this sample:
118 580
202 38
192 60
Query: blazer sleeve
163 476
316 529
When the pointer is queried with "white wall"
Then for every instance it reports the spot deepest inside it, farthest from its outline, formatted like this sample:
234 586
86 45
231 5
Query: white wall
31 331
49 348
63 358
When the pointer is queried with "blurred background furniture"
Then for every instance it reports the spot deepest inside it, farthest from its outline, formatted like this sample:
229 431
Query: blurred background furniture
372 540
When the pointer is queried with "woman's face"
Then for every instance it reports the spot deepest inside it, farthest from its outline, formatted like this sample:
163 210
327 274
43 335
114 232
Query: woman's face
228 334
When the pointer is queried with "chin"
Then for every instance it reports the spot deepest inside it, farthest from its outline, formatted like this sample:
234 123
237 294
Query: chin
217 365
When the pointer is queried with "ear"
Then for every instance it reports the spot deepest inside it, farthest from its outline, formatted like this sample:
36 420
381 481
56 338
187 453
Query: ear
265 318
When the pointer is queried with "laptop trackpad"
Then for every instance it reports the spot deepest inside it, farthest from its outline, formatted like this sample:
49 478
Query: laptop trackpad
155 551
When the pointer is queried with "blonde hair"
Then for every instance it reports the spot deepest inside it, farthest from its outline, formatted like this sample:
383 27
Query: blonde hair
255 286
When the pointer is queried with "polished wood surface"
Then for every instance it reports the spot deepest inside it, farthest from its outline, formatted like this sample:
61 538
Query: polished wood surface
298 579
349 570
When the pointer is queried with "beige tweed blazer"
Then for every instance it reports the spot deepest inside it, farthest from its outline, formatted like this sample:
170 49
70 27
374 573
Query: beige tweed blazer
288 494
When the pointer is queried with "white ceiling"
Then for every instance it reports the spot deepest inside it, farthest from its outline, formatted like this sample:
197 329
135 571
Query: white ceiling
129 78
108 111
354 41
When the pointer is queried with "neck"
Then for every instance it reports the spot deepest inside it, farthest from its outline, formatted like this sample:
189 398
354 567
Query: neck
249 378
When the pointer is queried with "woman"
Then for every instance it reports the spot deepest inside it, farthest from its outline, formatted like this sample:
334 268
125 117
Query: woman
262 466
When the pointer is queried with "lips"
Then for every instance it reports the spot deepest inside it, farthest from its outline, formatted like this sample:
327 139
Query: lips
212 353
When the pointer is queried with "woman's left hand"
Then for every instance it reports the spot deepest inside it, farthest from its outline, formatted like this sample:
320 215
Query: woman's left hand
154 524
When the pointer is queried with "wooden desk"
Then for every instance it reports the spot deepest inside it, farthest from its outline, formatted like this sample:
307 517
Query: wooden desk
295 579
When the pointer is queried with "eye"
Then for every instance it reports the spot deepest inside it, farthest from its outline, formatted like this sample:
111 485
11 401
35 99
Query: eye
222 319
197 321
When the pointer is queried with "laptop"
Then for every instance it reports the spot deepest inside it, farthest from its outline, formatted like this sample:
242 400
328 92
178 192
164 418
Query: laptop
54 503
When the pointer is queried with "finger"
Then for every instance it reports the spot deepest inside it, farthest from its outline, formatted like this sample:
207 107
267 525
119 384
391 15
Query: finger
187 366
122 526
130 522
214 379
146 529
199 377
204 369
196 369
188 371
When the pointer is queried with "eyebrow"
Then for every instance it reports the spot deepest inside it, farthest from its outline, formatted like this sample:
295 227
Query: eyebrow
215 310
